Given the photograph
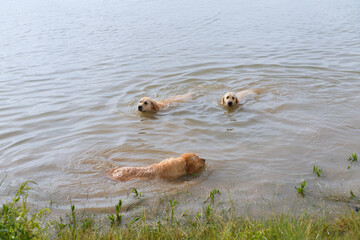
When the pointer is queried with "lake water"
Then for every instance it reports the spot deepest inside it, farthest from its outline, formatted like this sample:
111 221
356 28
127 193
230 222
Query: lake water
72 73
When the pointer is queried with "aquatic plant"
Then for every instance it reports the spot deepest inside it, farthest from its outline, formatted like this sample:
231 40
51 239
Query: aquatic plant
208 211
213 193
352 194
317 171
173 204
301 188
117 218
73 223
135 191
352 158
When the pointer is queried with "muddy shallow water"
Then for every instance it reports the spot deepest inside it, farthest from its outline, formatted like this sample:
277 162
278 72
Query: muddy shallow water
71 74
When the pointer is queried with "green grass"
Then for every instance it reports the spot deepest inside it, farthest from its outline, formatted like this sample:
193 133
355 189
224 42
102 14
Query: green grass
16 220
225 226
117 218
213 221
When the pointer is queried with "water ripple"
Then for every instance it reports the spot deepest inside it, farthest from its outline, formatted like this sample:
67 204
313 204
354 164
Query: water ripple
72 73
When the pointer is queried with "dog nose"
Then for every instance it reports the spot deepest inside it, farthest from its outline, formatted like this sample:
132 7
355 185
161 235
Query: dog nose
230 103
203 159
140 108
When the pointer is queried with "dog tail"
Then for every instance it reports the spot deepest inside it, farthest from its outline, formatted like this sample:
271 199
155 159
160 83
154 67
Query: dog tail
256 90
249 92
128 173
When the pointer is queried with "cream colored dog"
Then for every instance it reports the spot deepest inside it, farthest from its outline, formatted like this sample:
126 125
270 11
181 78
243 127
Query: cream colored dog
170 168
147 104
230 99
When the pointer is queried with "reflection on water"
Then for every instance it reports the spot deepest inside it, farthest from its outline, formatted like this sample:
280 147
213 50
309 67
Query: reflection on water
72 73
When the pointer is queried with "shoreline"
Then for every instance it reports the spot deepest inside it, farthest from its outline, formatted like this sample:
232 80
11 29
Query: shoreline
171 218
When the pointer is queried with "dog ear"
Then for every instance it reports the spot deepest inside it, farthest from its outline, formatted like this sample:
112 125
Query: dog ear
236 100
223 100
154 106
190 166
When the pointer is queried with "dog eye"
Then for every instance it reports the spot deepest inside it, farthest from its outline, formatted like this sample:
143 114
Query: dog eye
227 97
145 103
233 98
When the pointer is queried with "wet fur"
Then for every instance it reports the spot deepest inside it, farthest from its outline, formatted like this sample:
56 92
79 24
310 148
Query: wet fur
170 168
234 99
147 104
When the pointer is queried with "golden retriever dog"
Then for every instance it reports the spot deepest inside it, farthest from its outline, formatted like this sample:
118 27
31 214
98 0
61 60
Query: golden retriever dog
147 104
230 99
170 168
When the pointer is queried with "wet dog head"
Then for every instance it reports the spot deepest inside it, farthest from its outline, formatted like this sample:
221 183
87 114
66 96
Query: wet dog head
146 104
229 99
194 163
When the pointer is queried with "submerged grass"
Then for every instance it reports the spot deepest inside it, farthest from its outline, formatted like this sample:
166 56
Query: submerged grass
317 171
352 158
213 221
301 187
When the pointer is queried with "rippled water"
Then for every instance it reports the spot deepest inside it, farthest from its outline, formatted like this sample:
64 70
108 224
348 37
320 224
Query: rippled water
71 74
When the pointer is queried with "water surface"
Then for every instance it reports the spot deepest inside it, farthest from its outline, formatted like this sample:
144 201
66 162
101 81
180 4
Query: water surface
71 74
